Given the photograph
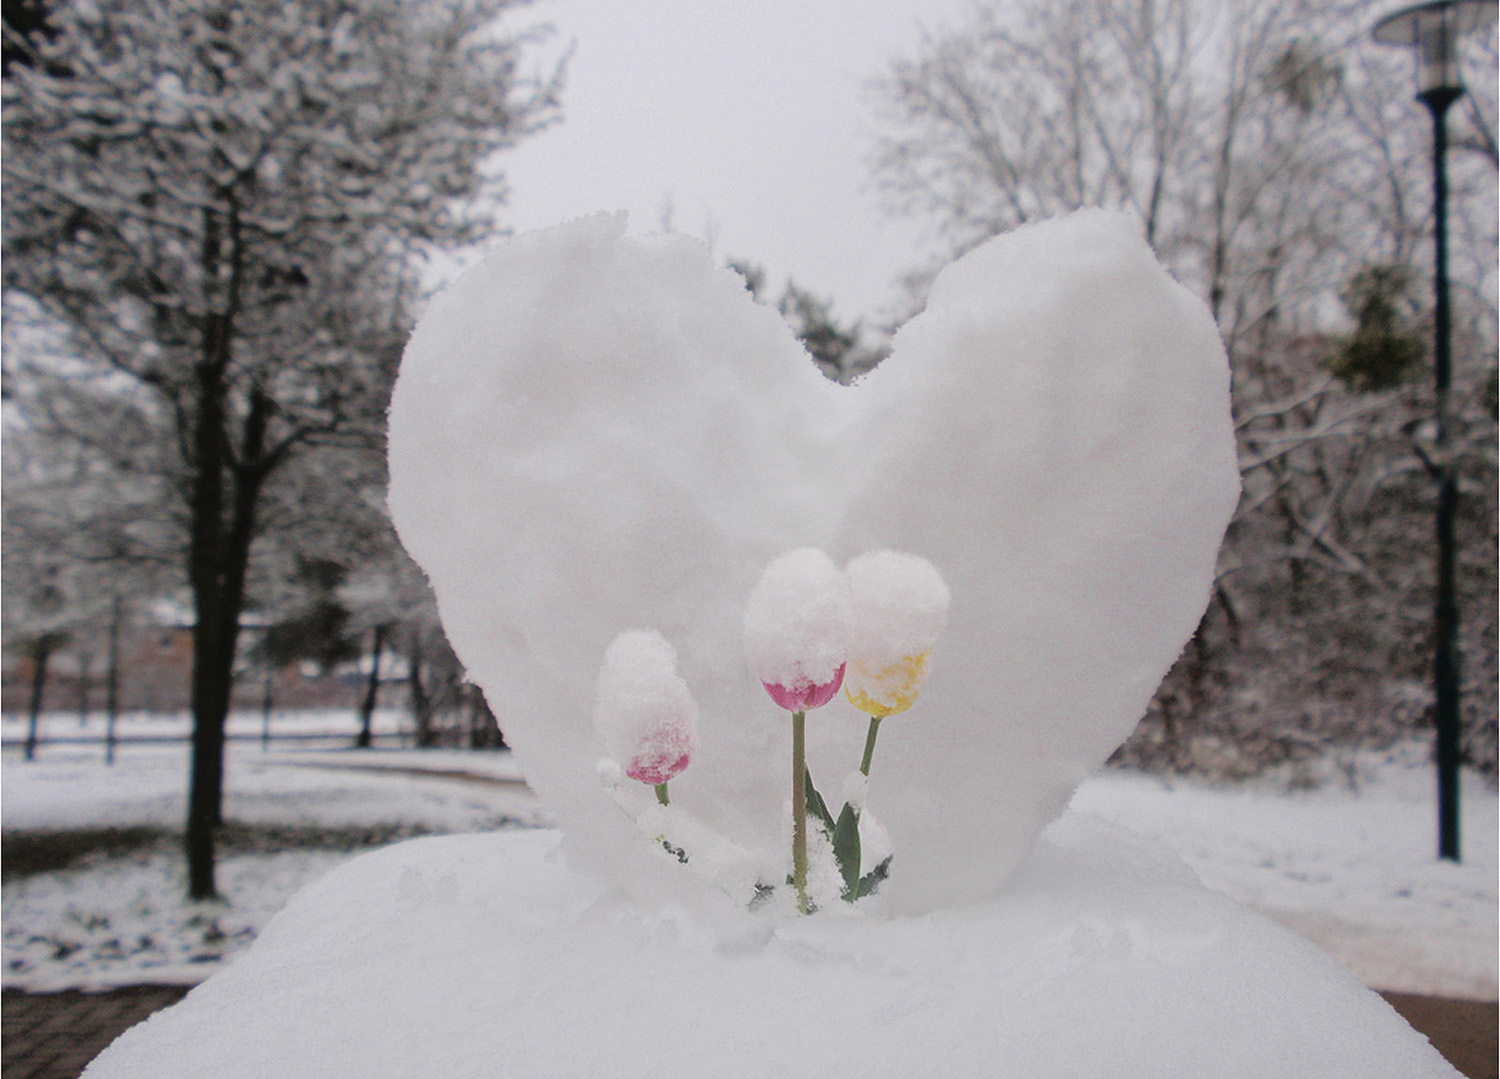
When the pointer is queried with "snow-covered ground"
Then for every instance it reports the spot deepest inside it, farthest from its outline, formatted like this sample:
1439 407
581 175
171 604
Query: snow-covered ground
1349 864
121 920
283 727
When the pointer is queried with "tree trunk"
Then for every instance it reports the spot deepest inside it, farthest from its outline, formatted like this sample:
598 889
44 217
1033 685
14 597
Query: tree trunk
112 679
212 668
484 728
213 657
267 703
85 665
215 638
421 703
226 487
41 652
372 691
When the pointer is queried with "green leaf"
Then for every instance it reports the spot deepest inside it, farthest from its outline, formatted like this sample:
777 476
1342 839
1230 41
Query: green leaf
871 880
815 804
846 850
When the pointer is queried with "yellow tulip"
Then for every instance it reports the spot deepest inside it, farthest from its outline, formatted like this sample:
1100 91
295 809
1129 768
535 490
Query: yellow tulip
887 691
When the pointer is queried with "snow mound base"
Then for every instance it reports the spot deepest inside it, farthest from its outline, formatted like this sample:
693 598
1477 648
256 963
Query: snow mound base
593 433
485 955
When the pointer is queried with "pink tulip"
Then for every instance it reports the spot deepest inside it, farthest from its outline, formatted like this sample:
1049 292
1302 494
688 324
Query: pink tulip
804 694
661 755
644 710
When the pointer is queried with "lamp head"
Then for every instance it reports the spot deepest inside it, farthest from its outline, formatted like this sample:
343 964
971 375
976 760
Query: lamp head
1433 29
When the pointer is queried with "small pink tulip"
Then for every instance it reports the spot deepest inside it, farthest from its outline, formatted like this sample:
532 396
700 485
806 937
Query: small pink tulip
803 695
644 710
655 763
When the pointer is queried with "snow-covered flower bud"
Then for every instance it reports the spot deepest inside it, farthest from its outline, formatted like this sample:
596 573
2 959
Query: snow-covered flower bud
644 711
900 609
797 625
804 695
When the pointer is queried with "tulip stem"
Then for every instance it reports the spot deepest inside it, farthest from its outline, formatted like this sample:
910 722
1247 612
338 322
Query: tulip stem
799 810
661 794
864 765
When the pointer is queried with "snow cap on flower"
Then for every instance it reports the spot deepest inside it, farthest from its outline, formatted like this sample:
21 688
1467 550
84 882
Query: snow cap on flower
797 626
900 609
644 711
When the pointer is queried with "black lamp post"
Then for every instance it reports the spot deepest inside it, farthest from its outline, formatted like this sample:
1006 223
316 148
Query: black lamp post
1433 29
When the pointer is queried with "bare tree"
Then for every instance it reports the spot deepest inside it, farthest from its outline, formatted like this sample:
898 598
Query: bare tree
221 204
1274 171
1030 111
77 557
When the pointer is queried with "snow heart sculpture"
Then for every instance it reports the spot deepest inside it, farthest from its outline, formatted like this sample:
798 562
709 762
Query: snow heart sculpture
593 433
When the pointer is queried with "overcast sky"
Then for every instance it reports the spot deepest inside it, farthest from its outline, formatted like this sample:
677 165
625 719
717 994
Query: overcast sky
751 117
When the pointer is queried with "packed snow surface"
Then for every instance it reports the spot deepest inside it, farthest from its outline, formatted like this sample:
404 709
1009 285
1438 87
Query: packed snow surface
119 918
69 786
1343 851
486 955
1350 863
592 433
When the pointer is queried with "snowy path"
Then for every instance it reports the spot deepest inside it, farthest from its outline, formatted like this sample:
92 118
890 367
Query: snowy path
1353 870
1350 868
